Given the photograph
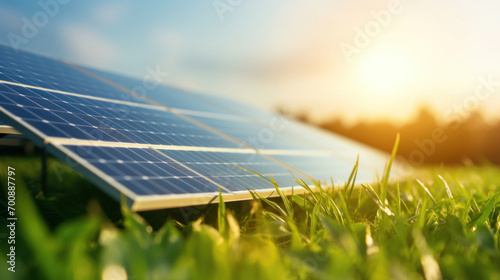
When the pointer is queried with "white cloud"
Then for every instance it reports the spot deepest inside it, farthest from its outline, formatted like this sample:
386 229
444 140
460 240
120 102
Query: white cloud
110 13
88 46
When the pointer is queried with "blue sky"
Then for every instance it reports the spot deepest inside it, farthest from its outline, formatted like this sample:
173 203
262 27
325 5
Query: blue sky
284 53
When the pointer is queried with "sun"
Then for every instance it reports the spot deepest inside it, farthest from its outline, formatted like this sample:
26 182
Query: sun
384 72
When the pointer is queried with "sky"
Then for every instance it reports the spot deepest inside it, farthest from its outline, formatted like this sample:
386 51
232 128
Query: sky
377 59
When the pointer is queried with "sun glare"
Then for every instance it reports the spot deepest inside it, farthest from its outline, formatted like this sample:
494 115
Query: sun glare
384 72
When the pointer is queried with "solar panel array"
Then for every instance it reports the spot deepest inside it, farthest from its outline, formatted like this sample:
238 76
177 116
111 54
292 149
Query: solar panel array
167 147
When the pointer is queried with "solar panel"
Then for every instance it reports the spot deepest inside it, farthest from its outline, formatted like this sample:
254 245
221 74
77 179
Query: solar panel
262 130
168 147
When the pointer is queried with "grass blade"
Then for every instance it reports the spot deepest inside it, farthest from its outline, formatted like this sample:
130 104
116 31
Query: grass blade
373 195
426 190
429 263
387 172
314 221
352 179
221 215
483 217
448 190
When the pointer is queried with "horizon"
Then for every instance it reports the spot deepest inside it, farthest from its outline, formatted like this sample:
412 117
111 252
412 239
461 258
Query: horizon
358 60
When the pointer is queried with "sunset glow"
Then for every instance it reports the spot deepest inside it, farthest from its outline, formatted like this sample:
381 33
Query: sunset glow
384 72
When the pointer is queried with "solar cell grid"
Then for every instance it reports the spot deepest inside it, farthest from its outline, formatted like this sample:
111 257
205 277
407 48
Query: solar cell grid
266 130
148 171
144 170
226 169
323 167
253 134
167 96
61 115
34 70
338 146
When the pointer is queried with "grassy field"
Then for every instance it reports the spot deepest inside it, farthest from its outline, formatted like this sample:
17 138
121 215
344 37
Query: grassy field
443 226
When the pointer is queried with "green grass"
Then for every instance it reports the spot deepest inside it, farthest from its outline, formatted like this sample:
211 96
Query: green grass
445 225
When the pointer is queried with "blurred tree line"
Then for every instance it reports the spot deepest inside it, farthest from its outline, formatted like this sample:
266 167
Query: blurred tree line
424 140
